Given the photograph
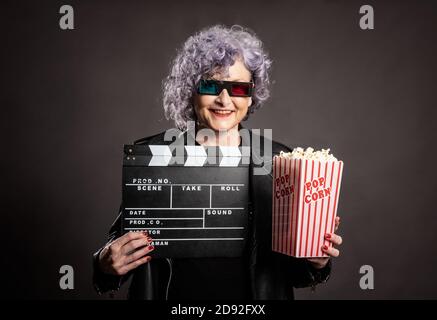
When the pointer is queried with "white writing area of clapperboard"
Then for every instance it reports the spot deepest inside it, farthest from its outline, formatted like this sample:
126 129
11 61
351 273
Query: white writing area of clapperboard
193 205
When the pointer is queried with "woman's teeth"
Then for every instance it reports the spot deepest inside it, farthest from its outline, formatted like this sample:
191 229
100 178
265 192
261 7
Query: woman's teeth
222 111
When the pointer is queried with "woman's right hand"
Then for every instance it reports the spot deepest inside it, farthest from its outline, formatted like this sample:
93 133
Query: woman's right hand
125 253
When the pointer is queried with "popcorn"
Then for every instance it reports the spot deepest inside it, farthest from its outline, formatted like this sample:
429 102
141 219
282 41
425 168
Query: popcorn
309 153
306 189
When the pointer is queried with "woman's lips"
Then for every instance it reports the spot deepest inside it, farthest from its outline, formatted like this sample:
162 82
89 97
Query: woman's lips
222 114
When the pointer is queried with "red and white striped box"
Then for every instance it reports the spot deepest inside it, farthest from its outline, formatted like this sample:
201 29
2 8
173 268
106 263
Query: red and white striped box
305 201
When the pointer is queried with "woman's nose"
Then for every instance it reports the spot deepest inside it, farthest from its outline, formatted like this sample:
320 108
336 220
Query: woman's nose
223 97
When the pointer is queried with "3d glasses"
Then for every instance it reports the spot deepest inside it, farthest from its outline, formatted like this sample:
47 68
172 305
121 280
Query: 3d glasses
234 88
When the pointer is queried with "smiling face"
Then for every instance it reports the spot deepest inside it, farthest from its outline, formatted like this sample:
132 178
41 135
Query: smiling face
224 112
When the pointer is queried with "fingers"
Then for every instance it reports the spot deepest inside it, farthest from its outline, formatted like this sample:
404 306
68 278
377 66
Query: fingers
331 251
115 257
135 264
138 254
335 239
133 245
337 223
128 237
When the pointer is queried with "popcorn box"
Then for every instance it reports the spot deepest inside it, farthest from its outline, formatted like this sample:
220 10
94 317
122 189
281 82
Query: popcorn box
305 201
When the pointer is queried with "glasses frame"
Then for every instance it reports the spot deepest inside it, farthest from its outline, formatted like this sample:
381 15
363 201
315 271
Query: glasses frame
222 84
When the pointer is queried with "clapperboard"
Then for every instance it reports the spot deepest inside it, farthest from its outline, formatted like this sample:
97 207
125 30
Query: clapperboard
193 201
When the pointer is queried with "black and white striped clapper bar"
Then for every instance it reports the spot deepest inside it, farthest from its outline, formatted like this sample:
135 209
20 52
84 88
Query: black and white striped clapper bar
193 200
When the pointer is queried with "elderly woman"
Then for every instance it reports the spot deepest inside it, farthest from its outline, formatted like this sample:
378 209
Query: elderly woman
218 78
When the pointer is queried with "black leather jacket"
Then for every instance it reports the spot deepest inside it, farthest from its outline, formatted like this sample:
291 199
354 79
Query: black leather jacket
272 275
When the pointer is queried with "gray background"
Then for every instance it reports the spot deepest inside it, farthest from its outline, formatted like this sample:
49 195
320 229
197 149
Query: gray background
71 99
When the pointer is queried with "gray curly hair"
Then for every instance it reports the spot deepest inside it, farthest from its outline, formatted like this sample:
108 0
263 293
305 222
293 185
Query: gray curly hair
210 51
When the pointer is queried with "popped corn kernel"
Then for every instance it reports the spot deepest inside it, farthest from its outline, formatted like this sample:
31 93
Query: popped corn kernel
309 154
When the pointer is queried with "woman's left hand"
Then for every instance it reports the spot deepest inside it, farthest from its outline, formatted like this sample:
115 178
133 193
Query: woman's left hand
319 263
